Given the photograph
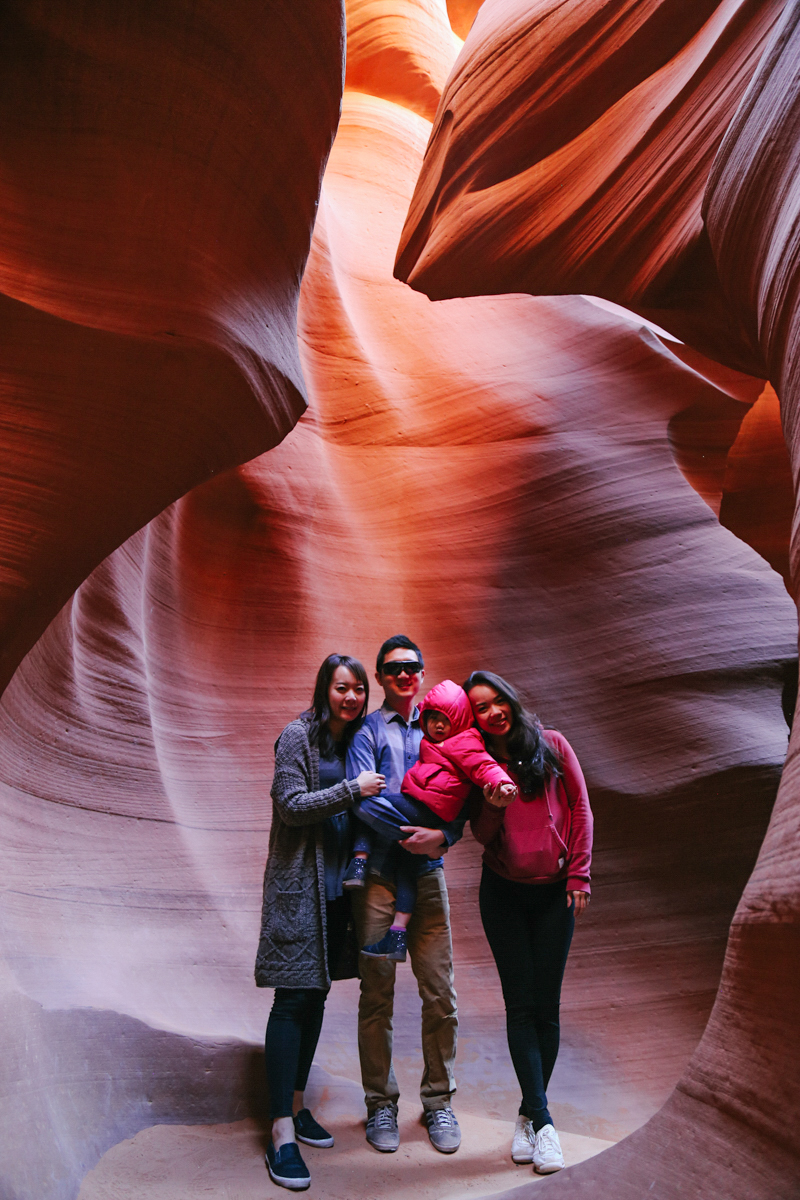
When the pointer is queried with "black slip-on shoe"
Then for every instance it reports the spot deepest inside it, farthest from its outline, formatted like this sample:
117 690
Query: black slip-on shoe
307 1130
286 1167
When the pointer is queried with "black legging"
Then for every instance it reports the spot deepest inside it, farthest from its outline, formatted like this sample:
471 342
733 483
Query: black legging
529 929
295 1022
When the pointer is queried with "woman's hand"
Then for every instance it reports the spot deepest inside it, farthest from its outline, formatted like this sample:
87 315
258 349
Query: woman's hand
370 783
498 795
579 901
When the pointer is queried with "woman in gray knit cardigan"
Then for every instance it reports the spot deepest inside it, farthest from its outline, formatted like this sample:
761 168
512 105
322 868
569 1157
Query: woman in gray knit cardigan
305 915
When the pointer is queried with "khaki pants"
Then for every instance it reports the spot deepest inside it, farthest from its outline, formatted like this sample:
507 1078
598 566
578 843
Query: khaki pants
431 949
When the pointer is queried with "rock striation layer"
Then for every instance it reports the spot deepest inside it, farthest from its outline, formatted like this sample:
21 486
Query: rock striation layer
731 1125
159 173
496 475
402 51
571 151
521 483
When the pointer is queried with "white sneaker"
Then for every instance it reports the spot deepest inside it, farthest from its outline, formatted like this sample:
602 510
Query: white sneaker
547 1156
522 1142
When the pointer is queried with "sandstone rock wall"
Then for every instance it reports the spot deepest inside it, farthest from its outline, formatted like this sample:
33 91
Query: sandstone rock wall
519 482
733 1116
160 172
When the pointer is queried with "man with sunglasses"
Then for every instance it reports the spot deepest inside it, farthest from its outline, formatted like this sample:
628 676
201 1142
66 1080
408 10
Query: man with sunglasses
388 742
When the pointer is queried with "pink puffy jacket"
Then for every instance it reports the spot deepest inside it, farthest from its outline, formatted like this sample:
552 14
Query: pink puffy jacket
544 838
446 771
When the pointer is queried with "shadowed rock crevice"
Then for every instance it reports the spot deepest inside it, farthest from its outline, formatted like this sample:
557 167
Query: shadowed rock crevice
77 1082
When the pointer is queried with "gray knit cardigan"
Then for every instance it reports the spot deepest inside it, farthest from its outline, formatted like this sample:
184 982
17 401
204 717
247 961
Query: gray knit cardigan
293 951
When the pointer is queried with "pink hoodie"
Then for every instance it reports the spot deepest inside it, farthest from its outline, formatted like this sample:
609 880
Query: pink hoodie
446 772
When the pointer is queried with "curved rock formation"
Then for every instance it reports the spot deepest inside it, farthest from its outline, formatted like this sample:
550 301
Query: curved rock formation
462 14
730 1128
757 501
159 173
560 117
401 50
495 475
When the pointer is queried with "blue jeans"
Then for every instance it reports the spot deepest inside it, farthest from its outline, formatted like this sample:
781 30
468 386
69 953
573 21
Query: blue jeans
385 815
529 929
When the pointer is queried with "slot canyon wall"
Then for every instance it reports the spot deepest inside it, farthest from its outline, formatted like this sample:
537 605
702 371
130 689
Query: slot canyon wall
700 229
521 475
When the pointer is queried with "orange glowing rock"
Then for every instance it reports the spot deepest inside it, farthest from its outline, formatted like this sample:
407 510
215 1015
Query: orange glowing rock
160 172
507 478
462 14
608 200
401 50
570 153
495 476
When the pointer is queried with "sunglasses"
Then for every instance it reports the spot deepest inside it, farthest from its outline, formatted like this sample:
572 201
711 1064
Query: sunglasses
401 668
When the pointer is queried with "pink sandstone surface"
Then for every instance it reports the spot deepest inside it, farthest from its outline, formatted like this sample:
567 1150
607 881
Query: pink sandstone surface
731 1126
520 482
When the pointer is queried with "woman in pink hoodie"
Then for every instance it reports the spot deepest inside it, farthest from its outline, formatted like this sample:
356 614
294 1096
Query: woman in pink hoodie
536 873
452 760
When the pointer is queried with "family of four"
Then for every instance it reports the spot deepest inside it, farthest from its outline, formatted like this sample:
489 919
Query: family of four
364 809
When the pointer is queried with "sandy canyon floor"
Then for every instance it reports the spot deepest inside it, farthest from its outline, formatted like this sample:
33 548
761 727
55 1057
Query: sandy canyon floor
226 1162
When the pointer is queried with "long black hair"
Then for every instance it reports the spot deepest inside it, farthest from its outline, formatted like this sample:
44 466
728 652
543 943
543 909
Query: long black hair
531 757
318 715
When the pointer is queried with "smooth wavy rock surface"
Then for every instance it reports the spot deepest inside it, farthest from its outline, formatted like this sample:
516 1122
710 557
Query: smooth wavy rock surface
751 210
401 50
462 14
570 153
731 1126
757 500
159 172
496 477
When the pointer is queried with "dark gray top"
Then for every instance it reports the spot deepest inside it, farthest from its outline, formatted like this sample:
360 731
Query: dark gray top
337 837
293 950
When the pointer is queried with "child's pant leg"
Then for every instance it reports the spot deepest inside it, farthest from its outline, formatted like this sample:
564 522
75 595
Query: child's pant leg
417 813
382 815
363 838
387 814
407 871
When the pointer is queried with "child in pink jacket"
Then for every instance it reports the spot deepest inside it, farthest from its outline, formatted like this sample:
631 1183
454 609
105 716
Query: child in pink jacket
452 759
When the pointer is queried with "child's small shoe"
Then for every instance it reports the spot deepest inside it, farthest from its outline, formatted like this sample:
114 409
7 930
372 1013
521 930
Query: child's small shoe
392 945
356 874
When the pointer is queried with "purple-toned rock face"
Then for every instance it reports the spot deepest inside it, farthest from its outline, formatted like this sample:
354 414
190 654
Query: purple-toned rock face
539 485
609 200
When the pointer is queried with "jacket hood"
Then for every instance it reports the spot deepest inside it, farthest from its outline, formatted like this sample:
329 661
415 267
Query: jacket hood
453 701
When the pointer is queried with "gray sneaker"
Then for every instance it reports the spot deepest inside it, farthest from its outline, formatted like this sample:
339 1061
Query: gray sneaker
443 1129
382 1131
